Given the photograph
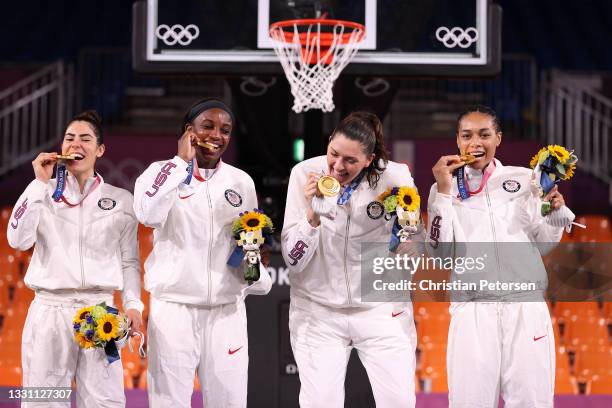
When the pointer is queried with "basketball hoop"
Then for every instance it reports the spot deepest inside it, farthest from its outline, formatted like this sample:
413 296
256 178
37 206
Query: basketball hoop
313 53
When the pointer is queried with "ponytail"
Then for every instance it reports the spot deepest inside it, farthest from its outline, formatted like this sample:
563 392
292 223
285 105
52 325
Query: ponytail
367 129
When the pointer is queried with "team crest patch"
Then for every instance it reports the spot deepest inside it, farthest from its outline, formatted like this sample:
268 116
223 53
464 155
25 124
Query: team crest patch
107 203
375 210
233 197
511 186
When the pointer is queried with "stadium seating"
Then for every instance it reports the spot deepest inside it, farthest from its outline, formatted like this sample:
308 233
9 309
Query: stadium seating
565 383
598 229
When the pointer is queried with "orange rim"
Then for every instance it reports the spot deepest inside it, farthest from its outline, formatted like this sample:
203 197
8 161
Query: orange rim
325 39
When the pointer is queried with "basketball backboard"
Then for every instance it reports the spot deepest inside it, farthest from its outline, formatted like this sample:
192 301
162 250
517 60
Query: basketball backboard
403 37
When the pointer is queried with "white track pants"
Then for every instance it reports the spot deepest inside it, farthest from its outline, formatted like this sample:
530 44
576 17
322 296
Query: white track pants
501 347
185 338
322 339
51 357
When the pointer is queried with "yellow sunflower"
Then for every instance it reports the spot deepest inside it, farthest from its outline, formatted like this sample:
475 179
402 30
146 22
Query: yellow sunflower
252 221
82 341
559 152
107 327
81 313
569 172
536 157
409 198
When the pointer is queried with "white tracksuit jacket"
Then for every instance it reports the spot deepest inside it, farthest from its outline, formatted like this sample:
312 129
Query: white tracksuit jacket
192 237
506 211
89 246
324 262
503 341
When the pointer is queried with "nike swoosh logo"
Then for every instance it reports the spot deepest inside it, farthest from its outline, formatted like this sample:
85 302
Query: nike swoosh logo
230 351
538 338
393 314
184 197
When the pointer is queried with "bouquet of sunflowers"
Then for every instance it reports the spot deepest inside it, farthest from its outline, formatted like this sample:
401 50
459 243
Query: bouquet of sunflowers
100 326
250 230
551 165
403 202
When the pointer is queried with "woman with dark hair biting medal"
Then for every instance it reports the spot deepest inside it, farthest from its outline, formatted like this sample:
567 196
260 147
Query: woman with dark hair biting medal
323 248
197 320
85 235
499 340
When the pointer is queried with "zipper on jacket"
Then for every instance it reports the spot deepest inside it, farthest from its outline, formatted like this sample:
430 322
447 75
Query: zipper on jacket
346 274
210 240
81 243
492 228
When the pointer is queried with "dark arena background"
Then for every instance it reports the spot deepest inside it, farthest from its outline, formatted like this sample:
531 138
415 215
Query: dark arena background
544 66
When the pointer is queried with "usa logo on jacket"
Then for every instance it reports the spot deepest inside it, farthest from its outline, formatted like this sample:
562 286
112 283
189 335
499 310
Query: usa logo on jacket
375 210
107 203
511 186
233 197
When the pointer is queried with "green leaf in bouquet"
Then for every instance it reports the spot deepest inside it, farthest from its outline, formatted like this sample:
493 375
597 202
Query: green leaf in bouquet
543 157
85 327
390 204
268 225
236 228
560 169
572 159
98 311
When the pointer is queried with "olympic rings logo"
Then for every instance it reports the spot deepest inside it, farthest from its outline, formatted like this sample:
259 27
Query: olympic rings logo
177 34
253 86
374 87
457 36
122 173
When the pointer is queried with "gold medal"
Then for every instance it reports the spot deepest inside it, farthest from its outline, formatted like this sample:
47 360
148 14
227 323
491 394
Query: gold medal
208 146
68 157
467 158
328 186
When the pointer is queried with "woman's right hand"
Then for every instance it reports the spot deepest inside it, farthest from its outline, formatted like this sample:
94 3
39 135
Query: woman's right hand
443 172
43 166
186 148
311 190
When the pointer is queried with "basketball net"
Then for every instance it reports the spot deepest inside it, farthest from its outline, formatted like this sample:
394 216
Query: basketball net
312 59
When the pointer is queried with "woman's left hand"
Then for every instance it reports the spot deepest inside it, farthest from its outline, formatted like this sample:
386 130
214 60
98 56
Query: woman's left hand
135 319
555 198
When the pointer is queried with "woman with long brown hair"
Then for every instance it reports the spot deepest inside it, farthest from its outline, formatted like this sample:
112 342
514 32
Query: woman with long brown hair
322 246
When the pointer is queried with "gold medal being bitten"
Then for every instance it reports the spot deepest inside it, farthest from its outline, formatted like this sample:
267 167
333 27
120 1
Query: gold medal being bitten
69 157
467 158
328 186
208 145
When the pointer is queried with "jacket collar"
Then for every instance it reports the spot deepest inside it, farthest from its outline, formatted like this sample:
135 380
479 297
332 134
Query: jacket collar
472 172
72 192
200 174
